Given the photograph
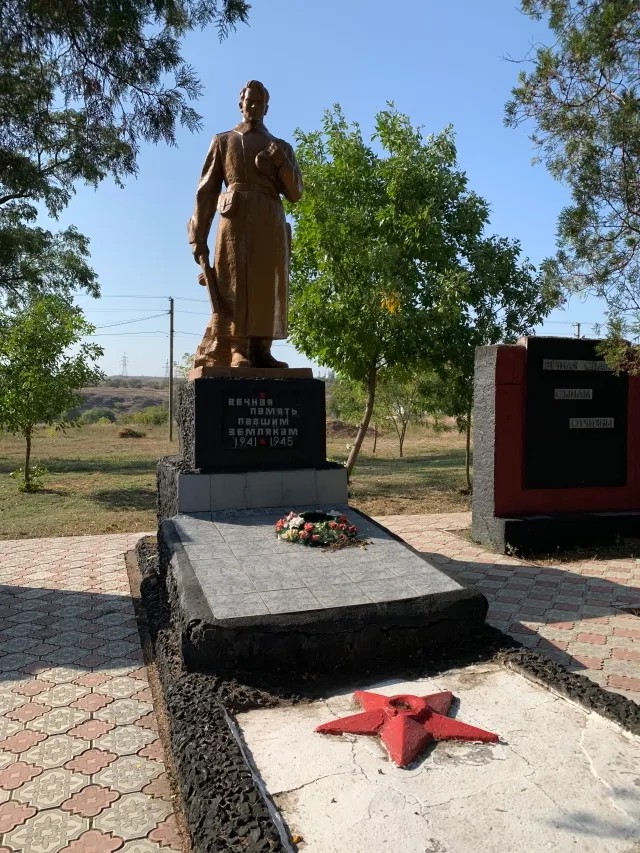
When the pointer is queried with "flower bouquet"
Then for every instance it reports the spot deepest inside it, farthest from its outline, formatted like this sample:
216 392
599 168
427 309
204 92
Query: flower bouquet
317 529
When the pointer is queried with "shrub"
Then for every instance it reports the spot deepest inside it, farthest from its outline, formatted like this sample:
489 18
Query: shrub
97 415
151 415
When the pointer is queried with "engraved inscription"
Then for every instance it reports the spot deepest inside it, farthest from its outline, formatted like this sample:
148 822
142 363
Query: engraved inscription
591 423
575 364
260 421
573 393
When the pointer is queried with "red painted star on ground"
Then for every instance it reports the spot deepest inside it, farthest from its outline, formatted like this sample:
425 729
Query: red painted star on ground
406 723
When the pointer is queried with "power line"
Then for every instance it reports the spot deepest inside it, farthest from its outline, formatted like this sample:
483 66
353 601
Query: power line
128 296
135 320
122 334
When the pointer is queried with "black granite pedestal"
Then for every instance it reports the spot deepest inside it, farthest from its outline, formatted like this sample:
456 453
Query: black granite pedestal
243 599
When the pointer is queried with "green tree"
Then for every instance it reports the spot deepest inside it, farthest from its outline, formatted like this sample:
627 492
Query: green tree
583 96
81 86
36 262
184 366
402 400
43 364
501 297
377 237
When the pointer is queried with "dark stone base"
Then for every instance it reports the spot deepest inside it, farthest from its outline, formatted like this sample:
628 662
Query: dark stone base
337 640
542 533
245 424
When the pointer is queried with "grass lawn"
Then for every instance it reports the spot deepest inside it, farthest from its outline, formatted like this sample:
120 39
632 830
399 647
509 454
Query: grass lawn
100 483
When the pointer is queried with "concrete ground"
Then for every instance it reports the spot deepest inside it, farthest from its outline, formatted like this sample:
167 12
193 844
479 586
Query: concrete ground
81 766
575 613
561 778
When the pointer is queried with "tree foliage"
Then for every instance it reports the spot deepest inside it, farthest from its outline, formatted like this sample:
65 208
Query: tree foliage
82 84
35 261
376 239
392 271
583 96
501 297
43 364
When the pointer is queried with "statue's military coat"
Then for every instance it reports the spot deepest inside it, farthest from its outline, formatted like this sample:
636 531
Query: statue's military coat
253 242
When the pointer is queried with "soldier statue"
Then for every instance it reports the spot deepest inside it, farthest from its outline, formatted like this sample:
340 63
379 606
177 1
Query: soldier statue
248 280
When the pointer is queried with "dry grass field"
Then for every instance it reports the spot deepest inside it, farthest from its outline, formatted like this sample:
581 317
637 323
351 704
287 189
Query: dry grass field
100 483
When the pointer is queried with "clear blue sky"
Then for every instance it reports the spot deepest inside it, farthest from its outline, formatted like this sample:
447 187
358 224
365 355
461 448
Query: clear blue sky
440 62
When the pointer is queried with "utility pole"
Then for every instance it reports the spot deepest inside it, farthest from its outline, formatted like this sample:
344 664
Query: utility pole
171 368
577 328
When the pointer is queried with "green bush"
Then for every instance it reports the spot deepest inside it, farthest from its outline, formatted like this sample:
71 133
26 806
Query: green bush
97 415
151 415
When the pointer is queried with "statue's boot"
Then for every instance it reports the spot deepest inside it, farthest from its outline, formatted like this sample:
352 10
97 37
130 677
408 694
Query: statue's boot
240 352
261 354
213 352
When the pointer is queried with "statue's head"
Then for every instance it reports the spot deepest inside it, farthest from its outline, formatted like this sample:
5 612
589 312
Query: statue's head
254 101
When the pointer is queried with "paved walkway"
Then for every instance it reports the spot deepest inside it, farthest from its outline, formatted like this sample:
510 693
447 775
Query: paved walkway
81 765
573 612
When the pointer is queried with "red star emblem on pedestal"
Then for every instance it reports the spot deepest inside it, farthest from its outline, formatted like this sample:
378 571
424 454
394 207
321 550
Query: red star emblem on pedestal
406 723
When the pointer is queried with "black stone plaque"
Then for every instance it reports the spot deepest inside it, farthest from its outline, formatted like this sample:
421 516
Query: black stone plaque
254 424
576 417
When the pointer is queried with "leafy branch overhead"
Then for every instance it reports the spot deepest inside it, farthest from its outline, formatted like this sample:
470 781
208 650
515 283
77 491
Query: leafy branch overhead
583 96
84 83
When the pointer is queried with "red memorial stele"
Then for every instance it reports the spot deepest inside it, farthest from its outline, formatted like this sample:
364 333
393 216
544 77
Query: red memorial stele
406 724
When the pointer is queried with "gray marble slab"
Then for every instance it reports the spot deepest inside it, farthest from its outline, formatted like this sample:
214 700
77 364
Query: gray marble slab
244 570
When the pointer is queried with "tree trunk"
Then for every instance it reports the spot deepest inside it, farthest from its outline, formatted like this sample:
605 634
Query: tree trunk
401 436
375 439
364 425
467 459
27 463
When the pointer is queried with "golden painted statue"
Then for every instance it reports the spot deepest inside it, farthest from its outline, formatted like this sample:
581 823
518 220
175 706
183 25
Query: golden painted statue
249 278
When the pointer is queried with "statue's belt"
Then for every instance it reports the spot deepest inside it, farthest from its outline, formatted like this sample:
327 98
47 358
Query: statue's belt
252 188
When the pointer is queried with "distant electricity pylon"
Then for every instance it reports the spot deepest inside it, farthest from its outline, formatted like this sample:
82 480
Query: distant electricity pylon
166 369
124 365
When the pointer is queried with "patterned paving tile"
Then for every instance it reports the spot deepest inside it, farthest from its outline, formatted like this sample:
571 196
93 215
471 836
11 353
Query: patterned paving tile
91 729
54 751
17 774
94 841
91 761
139 845
46 832
129 773
167 835
27 712
133 815
125 740
571 611
59 720
9 701
63 694
90 801
76 714
50 788
14 814
119 688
